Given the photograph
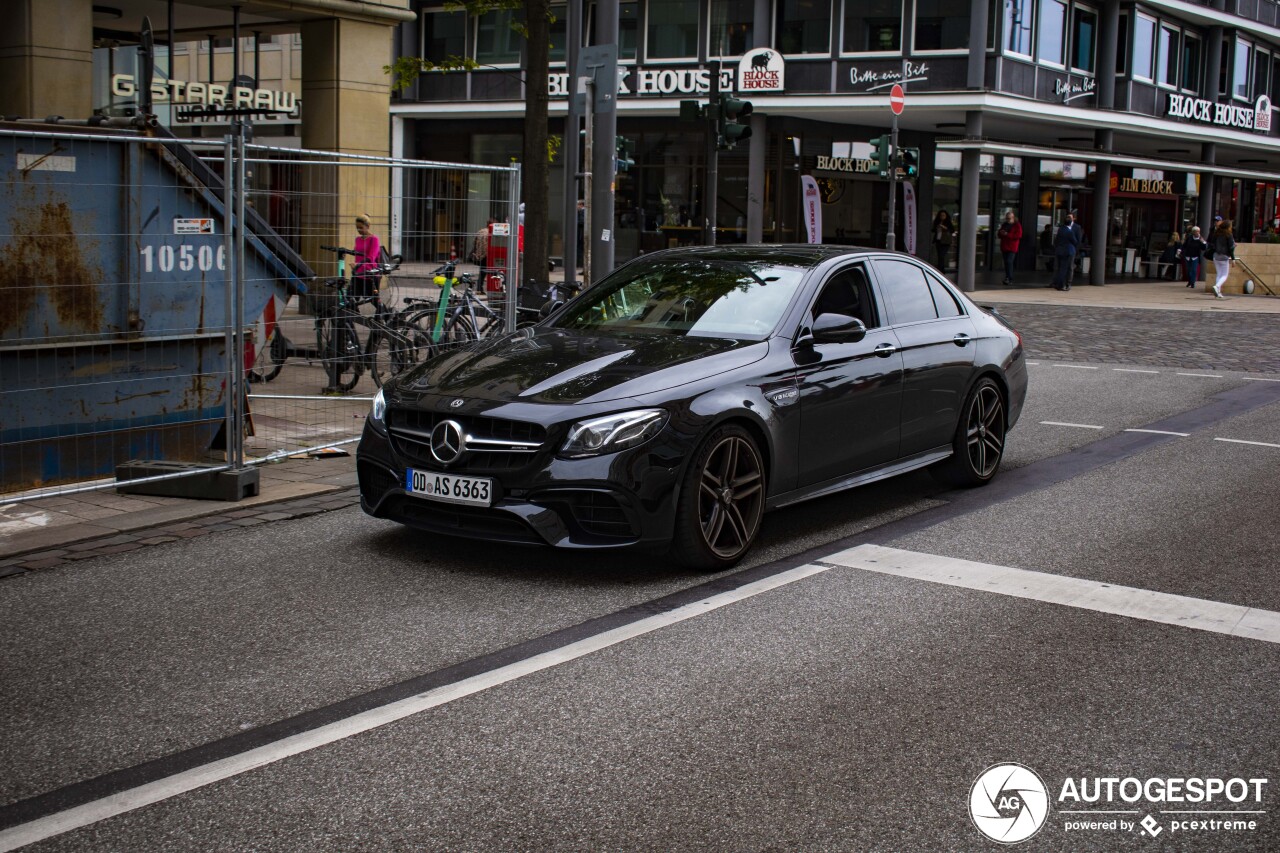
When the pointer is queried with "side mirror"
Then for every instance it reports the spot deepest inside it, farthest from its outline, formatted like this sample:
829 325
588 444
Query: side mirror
838 329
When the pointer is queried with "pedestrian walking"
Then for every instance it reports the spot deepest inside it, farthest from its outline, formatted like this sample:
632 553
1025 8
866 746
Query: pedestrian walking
1010 235
1079 232
943 229
480 247
1065 245
1224 253
1193 249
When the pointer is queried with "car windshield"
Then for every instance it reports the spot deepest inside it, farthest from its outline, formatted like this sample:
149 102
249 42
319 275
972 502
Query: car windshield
688 297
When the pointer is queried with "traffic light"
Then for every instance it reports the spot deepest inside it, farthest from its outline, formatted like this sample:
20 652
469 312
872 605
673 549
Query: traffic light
880 153
910 162
625 150
728 129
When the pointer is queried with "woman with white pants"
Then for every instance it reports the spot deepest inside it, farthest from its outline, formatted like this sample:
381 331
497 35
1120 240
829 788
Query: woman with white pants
1224 254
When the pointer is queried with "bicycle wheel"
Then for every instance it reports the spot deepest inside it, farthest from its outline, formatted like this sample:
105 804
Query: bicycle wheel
270 359
340 350
392 352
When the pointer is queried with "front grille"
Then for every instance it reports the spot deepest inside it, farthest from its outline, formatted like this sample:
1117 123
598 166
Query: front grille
497 444
375 481
594 513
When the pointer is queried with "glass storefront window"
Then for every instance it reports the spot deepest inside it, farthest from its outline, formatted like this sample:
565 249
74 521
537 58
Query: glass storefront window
947 161
1122 45
1011 166
1261 65
1167 57
1240 80
1084 33
444 34
941 25
559 32
1144 43
872 26
1062 170
1050 43
732 27
803 26
1017 26
672 31
1190 63
496 42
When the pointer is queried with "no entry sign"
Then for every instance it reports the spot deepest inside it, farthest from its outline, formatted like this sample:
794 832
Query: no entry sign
897 99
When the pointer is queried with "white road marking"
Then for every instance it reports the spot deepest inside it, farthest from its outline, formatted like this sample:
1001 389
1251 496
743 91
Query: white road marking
1077 366
1205 375
1081 426
198 777
1242 441
1259 379
1232 619
1036 363
1131 370
1160 432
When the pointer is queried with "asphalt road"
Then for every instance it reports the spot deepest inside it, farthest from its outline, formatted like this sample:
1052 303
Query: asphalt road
845 709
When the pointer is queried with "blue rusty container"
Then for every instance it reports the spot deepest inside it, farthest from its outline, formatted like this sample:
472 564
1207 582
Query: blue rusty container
113 280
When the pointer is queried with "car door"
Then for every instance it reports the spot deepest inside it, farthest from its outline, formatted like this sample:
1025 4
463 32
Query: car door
937 348
850 393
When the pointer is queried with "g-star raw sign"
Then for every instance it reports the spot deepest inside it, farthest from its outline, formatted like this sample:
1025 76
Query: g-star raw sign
1222 115
181 92
762 70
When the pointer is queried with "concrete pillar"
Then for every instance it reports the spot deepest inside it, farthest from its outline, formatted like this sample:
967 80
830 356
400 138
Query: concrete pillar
977 70
1105 140
970 161
346 103
46 58
758 144
1108 44
1212 64
1208 183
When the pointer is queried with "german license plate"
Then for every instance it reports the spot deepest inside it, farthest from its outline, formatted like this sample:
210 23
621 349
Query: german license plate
472 491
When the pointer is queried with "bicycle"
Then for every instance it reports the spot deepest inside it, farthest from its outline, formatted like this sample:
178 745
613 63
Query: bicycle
389 348
463 319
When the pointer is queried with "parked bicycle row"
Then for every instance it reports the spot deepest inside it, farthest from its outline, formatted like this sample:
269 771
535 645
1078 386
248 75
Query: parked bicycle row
357 331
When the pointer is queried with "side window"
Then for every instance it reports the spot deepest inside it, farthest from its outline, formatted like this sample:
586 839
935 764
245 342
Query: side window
906 292
943 299
848 292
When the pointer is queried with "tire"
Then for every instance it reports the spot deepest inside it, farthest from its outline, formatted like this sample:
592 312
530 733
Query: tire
340 348
979 440
268 365
457 332
721 503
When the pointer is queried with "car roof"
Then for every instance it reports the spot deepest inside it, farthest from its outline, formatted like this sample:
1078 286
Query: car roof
789 254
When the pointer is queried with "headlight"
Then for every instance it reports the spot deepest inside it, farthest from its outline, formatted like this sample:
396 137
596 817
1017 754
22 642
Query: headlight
378 414
612 433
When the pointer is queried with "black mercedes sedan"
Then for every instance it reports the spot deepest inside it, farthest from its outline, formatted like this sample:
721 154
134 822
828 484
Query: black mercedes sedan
675 401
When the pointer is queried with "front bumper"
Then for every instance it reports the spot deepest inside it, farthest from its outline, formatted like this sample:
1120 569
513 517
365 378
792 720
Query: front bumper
618 500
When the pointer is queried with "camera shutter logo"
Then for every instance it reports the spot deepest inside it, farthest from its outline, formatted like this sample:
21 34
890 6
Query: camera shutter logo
1009 803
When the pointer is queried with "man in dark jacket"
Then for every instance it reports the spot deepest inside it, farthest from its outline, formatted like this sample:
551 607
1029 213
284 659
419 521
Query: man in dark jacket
1065 245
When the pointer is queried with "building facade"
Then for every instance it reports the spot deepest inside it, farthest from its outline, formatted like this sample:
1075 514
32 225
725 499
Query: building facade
1142 118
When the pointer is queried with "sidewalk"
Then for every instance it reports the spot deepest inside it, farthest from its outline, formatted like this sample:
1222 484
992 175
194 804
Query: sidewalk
52 531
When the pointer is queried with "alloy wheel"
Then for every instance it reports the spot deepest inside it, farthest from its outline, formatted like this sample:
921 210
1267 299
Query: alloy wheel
731 497
985 431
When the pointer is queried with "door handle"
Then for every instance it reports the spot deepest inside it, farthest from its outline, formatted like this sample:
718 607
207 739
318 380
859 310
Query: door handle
885 350
961 339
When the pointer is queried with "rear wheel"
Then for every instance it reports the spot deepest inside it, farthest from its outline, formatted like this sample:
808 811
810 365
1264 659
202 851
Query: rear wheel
340 349
721 501
392 353
979 439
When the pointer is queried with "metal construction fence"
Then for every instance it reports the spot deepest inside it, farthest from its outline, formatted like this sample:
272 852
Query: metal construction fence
146 335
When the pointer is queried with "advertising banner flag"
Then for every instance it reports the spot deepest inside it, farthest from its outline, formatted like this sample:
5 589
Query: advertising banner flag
812 207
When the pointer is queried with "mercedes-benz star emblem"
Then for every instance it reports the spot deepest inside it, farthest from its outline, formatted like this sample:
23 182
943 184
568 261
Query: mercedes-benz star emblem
448 441
456 403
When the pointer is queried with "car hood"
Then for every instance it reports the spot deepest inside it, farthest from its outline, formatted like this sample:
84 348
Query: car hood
556 366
